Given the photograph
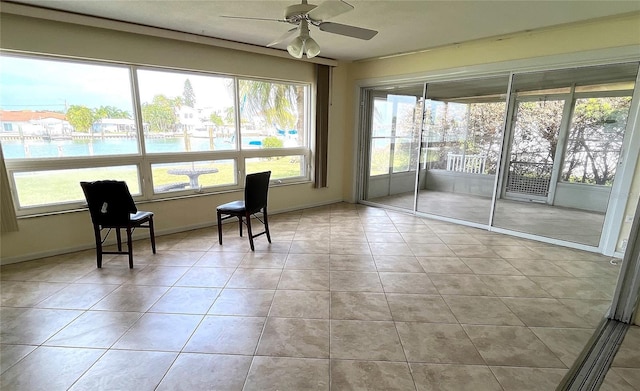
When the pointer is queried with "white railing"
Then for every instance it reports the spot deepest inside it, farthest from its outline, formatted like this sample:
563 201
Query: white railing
472 164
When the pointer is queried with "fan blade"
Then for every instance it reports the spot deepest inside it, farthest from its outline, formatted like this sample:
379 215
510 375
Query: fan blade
284 37
328 10
250 18
349 31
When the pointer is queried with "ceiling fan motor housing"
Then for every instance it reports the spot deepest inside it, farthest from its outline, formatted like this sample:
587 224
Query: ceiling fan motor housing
297 12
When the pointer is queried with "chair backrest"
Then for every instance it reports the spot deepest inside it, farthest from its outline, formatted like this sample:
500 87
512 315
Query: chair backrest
256 188
110 202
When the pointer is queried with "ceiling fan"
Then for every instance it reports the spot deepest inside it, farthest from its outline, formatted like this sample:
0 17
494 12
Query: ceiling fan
305 14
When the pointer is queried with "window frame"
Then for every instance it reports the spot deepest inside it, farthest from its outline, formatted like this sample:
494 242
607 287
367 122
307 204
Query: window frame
143 161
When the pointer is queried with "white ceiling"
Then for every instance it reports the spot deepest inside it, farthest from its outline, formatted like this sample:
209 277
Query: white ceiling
404 26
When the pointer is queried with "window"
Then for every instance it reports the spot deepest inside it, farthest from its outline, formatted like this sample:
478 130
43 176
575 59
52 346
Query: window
65 121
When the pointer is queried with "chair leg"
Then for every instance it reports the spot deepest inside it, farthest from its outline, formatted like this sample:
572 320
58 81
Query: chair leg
266 224
250 233
119 238
220 228
130 247
96 232
240 224
152 235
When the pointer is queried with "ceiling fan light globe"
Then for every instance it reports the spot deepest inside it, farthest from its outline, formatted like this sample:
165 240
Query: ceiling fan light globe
311 47
295 48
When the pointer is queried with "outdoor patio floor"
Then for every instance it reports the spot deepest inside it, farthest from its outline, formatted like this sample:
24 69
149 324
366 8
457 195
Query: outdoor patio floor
534 218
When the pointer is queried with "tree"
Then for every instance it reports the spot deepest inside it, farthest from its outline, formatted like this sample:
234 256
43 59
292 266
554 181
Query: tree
188 95
277 104
110 112
80 117
160 114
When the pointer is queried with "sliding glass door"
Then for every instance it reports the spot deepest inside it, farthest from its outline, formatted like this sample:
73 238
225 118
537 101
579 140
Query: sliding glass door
537 158
461 148
393 140
564 140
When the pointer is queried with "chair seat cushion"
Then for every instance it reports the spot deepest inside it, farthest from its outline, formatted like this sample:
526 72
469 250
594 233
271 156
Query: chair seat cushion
140 216
231 207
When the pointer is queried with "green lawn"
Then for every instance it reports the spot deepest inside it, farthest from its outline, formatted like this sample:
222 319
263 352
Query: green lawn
56 186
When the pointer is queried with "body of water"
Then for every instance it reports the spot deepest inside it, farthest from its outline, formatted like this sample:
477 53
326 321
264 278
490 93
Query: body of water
38 148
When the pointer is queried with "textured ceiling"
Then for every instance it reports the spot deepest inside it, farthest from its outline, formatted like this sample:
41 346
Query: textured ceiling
404 26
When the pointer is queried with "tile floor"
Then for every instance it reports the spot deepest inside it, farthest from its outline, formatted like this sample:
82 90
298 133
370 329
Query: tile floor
347 297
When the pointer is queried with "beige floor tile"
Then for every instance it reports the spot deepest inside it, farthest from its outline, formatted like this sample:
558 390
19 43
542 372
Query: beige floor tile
32 326
279 245
359 306
206 277
220 259
592 311
421 249
362 262
27 293
398 263
288 374
448 377
590 268
288 337
349 281
77 296
307 262
514 252
349 248
308 247
390 249
538 267
513 286
312 280
444 265
111 274
243 302
49 368
472 251
575 288
365 340
95 329
437 343
300 304
614 382
407 283
165 332
114 371
544 312
493 266
195 371
226 334
258 260
630 375
419 308
158 275
528 379
255 278
384 237
186 300
628 355
460 284
11 354
566 343
417 237
481 310
170 258
451 238
371 376
511 345
136 298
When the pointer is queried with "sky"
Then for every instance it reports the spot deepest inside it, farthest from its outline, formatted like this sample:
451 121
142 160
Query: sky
37 84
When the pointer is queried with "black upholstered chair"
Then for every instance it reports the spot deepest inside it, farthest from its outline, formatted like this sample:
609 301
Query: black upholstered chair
256 188
112 207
